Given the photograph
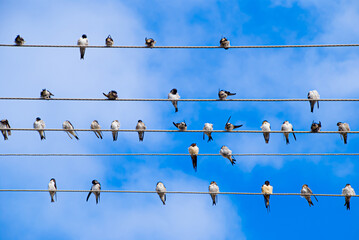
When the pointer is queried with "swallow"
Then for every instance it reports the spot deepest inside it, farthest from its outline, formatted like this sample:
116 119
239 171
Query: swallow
222 94
307 193
4 124
266 129
96 126
40 124
67 126
193 151
46 94
343 128
229 126
173 95
150 42
182 126
83 42
348 192
207 129
109 41
19 40
224 43
287 128
316 127
141 126
227 153
267 190
115 125
213 191
313 97
95 189
52 189
161 191
112 95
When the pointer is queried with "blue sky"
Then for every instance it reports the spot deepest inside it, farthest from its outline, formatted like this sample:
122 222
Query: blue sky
151 73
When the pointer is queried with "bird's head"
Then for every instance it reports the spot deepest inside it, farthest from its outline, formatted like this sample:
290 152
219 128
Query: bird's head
84 36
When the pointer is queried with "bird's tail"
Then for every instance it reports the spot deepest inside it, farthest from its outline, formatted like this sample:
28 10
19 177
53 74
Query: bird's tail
318 104
88 196
266 137
176 109
294 136
345 136
76 137
210 138
231 94
312 106
286 139
315 198
237 126
233 161
141 136
194 162
105 95
114 135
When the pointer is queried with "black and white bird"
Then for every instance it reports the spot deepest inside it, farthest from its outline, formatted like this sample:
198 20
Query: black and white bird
173 96
229 126
19 40
115 126
96 188
348 192
5 128
343 128
182 126
224 43
213 191
52 189
46 94
286 129
207 129
140 126
222 94
83 42
306 192
227 153
161 191
96 126
193 151
313 97
112 95
69 129
267 190
150 42
316 127
40 124
266 129
109 41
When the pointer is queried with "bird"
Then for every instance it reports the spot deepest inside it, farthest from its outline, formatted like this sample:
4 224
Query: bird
229 126
182 126
19 40
224 43
52 189
266 129
82 42
161 191
193 151
46 94
343 128
314 97
96 126
67 126
115 125
213 191
96 188
141 126
316 127
109 41
287 128
40 124
222 94
267 190
173 95
227 153
348 192
4 124
112 95
307 193
207 129
150 42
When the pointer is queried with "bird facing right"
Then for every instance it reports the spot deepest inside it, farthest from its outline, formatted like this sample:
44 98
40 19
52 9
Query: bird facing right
112 95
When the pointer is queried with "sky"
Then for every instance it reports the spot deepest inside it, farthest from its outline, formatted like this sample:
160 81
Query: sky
196 73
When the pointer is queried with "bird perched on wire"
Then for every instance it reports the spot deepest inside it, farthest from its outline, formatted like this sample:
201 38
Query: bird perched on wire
5 126
40 124
306 192
52 189
96 188
266 129
69 129
140 126
19 40
46 94
224 43
229 126
287 128
115 126
316 127
96 126
83 42
343 128
213 191
112 95
207 129
161 191
222 94
227 153
182 126
150 42
173 96
109 41
267 190
313 97
348 192
193 151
